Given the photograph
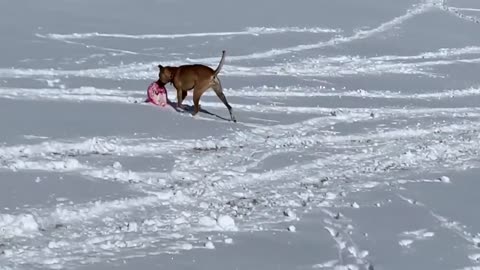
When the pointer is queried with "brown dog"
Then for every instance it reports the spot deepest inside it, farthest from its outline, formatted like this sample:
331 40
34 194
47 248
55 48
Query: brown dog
197 77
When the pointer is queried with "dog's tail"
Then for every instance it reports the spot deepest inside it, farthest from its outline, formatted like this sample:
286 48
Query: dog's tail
220 65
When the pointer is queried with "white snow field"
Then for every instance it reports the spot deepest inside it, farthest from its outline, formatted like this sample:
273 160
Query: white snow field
356 147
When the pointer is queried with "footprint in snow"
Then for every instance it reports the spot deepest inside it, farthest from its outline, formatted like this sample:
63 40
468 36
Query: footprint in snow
418 235
405 243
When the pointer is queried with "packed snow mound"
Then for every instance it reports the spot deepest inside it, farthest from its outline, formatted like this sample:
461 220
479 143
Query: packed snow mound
21 225
222 223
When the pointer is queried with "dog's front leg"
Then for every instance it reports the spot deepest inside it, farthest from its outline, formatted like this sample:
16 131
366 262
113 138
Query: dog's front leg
180 99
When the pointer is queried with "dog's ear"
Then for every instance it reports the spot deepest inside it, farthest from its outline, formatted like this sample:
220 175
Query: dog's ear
160 67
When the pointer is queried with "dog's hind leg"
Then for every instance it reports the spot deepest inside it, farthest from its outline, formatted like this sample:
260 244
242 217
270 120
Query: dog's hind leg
197 93
217 87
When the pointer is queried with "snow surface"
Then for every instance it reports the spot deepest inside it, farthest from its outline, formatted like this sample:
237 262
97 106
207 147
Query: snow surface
356 147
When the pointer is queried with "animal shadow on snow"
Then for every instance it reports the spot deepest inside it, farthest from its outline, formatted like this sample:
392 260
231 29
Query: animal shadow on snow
190 108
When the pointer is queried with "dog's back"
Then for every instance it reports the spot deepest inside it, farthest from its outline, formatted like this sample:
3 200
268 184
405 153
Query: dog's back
203 71
189 73
198 68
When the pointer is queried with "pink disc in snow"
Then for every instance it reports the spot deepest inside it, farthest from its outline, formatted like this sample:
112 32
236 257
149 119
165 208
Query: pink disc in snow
157 94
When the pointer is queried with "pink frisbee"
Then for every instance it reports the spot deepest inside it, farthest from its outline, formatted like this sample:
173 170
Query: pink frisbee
157 94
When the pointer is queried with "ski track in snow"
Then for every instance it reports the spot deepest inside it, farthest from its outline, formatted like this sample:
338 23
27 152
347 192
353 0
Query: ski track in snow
459 12
224 184
454 227
254 31
422 64
93 94
143 71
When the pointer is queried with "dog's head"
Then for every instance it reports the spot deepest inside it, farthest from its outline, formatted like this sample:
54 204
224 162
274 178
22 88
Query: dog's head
165 74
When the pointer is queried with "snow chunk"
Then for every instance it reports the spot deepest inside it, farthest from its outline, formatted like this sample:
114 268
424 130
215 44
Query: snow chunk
117 165
22 225
121 244
181 198
187 246
429 234
227 223
209 245
405 243
180 220
228 241
445 179
207 222
63 166
72 164
222 223
7 252
346 267
132 227
420 234
330 196
292 228
328 264
289 213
